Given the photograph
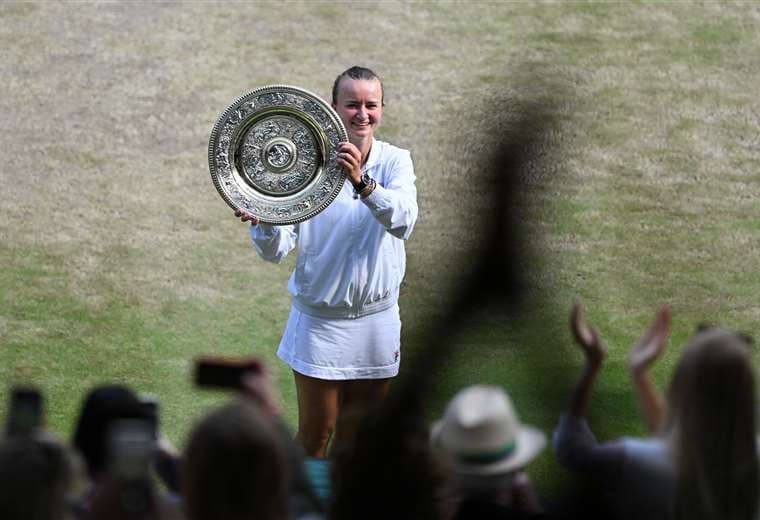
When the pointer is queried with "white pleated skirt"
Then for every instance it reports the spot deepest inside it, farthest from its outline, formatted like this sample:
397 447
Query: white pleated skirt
343 348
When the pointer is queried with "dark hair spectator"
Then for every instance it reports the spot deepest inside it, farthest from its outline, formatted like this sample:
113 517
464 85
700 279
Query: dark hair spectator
104 405
235 467
116 435
388 469
37 474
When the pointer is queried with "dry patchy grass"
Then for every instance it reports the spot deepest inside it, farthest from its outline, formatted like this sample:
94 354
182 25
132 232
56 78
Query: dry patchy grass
121 262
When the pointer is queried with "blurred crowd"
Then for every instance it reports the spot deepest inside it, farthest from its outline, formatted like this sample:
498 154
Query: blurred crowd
240 462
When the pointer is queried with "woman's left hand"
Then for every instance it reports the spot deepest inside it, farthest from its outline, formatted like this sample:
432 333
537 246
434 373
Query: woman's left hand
651 344
350 158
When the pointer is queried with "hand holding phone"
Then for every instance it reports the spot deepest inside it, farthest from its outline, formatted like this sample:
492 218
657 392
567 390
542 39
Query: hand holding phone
24 411
225 372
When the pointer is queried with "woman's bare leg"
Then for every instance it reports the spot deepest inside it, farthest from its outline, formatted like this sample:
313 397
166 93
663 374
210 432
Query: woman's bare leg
317 413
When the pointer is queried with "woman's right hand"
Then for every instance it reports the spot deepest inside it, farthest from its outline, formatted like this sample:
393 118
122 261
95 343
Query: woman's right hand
244 216
595 352
587 337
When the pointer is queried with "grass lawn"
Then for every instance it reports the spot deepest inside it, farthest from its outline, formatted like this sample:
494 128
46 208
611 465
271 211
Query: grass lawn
120 262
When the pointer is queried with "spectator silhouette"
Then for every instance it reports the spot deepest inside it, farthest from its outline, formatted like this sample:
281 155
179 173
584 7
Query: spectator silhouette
37 474
488 448
241 462
235 467
115 435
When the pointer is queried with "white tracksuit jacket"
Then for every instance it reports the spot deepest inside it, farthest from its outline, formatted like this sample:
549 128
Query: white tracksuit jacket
351 257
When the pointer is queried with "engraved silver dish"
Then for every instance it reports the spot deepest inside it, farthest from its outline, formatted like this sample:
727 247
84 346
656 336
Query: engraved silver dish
273 153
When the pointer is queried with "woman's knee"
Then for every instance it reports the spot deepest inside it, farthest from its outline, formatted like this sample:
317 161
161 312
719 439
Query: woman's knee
315 437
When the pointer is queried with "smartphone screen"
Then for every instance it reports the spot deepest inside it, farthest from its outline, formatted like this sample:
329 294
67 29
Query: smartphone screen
131 448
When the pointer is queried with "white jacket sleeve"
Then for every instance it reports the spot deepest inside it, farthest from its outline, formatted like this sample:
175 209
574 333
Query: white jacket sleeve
394 204
273 243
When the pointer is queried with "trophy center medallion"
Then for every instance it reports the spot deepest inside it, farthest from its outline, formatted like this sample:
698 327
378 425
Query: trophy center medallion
279 154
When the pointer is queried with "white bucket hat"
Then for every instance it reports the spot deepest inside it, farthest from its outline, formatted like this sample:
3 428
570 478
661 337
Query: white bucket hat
482 434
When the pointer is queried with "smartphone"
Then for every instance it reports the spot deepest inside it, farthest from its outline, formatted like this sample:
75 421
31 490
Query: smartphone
224 372
131 446
24 411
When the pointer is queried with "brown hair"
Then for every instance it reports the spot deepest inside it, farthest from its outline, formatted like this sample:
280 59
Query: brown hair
357 72
712 426
235 466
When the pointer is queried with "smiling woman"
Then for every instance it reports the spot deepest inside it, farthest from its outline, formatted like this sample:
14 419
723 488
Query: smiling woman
343 335
358 98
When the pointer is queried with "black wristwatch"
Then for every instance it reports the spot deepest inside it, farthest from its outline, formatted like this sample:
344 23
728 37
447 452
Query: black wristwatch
365 181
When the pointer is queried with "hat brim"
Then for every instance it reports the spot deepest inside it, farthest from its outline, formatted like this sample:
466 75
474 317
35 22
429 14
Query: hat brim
529 443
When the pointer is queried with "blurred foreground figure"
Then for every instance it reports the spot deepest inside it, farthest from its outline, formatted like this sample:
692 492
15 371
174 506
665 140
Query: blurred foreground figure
37 474
116 436
488 449
241 463
236 467
702 460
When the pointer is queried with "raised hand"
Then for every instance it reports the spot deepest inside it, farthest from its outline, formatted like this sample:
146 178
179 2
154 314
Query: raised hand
595 352
350 158
258 386
643 353
651 344
587 337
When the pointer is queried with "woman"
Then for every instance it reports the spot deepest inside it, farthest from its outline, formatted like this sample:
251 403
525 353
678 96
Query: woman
343 334
702 464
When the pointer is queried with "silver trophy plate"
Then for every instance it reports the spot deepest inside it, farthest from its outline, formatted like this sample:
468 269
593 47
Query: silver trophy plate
273 153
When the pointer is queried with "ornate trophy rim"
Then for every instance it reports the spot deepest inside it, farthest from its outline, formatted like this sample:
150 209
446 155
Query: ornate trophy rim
290 106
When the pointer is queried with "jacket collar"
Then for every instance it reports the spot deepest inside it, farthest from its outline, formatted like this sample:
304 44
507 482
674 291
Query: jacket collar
374 155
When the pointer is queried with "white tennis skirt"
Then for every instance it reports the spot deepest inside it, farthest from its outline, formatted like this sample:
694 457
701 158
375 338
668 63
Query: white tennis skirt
343 348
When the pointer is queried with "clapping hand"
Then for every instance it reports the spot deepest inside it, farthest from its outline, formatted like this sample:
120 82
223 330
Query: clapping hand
587 337
595 352
651 344
643 353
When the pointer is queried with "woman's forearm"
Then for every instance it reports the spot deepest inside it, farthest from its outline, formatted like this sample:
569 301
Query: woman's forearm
650 400
584 388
